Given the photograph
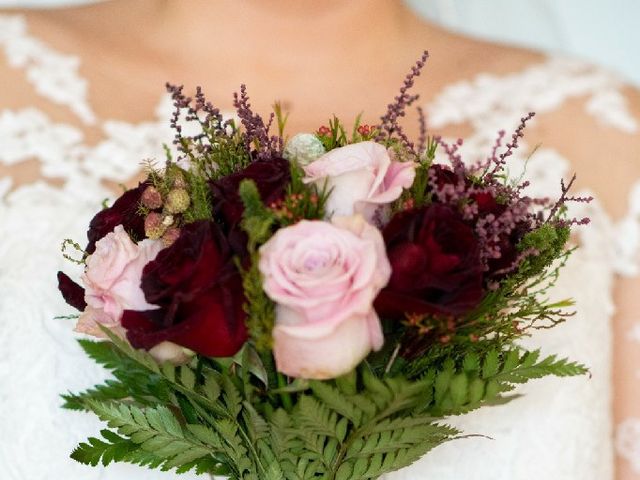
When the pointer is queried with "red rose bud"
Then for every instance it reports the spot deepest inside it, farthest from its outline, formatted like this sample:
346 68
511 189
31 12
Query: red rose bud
124 211
151 198
72 293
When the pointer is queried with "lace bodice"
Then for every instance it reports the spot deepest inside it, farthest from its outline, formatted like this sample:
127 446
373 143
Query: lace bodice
41 360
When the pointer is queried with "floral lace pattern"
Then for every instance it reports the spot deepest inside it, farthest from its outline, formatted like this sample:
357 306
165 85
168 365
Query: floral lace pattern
38 216
54 75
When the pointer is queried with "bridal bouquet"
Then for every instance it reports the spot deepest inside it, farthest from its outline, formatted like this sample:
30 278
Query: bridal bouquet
312 307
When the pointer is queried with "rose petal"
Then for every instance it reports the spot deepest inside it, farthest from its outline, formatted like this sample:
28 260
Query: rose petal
72 293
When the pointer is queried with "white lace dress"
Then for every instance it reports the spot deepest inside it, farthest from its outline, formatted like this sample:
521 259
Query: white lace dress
559 430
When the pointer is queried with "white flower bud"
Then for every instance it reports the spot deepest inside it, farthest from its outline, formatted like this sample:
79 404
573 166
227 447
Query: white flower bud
303 148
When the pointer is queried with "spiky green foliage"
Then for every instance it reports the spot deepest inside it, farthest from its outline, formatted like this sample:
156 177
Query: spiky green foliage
200 194
258 222
336 134
302 201
418 195
549 241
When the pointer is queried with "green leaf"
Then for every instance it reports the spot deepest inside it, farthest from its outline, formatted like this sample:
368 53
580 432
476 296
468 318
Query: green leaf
154 430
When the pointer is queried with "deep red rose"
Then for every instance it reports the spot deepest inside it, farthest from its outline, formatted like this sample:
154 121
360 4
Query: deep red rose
124 211
488 204
198 288
72 293
435 263
443 175
271 177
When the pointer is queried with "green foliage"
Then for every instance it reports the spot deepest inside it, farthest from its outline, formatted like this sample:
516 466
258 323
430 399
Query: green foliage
109 390
302 201
131 382
221 416
200 194
477 380
66 245
258 222
418 195
520 302
281 118
549 242
336 136
154 432
218 151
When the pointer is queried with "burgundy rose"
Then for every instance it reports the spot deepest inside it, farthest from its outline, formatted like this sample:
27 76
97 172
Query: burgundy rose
72 293
198 288
271 177
124 211
435 264
443 175
488 204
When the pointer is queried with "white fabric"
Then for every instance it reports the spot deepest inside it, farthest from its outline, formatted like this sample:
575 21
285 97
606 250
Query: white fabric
560 430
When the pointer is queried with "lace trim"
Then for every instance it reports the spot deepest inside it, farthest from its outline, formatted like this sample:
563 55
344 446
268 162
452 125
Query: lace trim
627 259
628 442
54 75
487 100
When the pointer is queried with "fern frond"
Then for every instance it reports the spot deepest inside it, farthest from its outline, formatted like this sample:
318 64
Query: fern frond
484 381
154 430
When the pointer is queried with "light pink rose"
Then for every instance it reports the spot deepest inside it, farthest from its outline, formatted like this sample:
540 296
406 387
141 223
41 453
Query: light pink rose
324 278
362 177
112 281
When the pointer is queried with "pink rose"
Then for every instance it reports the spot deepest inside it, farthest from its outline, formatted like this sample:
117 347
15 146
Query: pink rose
112 280
362 178
324 278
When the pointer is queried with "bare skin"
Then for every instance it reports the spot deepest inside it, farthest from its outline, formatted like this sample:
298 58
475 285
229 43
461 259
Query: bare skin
318 58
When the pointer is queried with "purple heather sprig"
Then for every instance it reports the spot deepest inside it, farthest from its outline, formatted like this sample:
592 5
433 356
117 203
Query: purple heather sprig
389 121
196 109
257 132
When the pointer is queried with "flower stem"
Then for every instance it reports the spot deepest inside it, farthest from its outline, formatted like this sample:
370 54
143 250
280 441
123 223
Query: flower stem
286 397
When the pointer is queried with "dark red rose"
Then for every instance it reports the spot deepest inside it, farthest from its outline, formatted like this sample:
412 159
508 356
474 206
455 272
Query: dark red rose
271 177
72 293
435 263
124 211
443 175
487 204
198 288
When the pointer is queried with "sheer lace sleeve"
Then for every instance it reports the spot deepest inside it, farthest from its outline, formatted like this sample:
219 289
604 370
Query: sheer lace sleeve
40 359
628 237
627 353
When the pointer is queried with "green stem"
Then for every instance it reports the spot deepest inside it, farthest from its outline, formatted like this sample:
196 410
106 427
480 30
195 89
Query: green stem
286 397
